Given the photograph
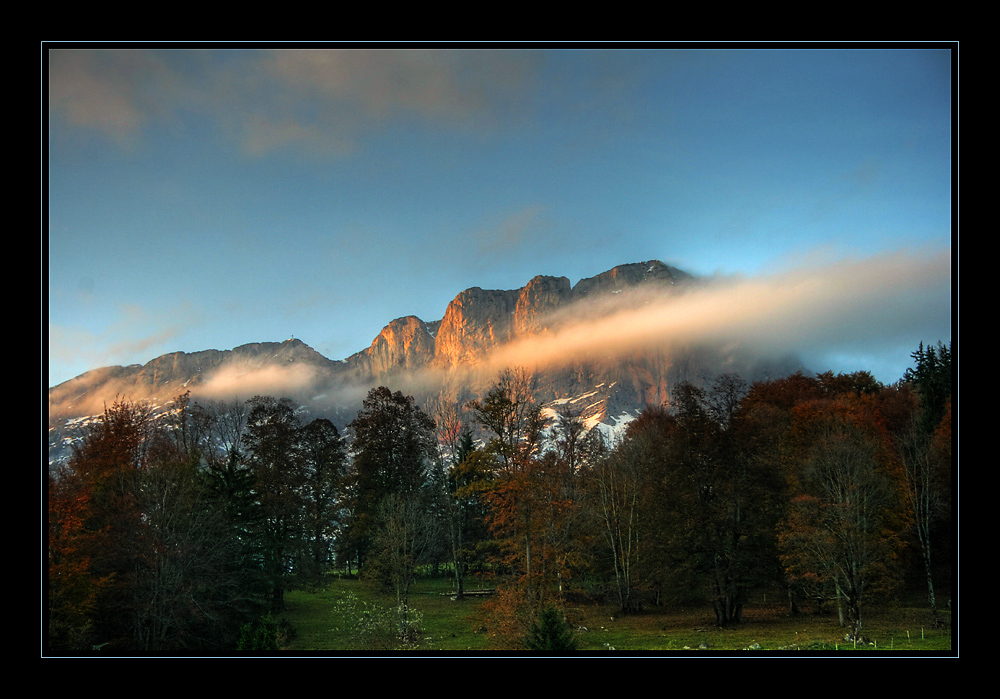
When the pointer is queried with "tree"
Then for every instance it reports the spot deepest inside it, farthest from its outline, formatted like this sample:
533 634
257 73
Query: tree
932 378
468 482
185 591
135 546
103 474
510 413
550 632
72 591
403 535
277 476
392 448
324 460
688 499
722 492
619 488
925 453
841 528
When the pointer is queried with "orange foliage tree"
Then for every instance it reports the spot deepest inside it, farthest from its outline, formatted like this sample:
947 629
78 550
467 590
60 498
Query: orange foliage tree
841 534
530 503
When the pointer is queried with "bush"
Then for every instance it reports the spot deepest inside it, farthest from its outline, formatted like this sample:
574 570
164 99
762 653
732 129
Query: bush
550 632
266 634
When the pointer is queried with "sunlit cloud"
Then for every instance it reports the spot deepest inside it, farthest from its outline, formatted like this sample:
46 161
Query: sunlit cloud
247 381
837 305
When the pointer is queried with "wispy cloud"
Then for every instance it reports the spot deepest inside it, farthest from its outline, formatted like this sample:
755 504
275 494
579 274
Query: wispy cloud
310 100
112 92
134 335
512 232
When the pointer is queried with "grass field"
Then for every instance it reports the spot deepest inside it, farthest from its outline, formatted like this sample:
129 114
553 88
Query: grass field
452 627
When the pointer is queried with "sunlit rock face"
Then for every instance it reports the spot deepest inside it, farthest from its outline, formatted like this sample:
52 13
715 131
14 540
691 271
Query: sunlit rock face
405 344
476 321
537 301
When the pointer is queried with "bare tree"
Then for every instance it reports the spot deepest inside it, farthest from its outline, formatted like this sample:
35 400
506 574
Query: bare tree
619 494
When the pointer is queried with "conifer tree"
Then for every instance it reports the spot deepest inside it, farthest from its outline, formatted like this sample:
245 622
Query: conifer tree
550 632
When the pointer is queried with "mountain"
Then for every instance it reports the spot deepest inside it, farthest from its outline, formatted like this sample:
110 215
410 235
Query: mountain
448 361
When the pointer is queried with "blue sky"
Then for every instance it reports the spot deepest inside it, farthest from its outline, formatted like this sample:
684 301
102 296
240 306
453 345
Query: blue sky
204 199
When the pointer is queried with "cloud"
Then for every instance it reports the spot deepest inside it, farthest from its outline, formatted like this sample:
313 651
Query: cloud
245 382
511 233
112 91
841 305
313 101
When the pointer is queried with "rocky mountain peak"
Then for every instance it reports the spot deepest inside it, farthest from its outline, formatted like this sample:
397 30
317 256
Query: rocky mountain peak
631 275
405 343
479 320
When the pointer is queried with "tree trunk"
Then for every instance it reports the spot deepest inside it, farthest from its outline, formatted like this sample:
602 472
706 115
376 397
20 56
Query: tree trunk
930 584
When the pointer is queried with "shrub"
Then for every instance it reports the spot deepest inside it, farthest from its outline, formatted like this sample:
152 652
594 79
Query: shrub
550 632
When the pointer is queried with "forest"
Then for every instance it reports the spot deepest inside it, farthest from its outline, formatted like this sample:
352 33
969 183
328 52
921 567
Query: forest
181 534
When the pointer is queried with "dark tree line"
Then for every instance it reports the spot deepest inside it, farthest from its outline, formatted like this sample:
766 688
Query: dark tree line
173 537
832 488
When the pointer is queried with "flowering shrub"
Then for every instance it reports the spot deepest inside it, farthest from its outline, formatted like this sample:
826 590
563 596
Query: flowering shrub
380 628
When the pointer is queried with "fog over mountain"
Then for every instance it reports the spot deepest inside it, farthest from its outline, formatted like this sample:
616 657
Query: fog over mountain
605 347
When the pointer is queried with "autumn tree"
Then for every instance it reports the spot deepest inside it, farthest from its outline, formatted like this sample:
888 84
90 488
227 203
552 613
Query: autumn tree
842 527
72 591
688 499
513 421
135 544
103 470
531 503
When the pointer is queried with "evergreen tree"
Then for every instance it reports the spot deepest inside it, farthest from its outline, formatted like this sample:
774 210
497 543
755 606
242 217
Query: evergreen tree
550 632
932 379
278 475
392 449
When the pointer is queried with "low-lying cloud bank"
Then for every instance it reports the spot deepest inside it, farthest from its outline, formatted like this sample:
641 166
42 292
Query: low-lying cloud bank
819 308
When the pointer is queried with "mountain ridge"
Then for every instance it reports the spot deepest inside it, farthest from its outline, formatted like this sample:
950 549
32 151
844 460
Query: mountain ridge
447 361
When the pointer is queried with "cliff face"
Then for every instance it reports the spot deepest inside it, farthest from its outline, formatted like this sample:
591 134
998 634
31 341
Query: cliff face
479 320
476 321
405 344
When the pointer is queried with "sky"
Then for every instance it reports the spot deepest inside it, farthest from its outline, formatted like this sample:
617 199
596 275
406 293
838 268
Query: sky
207 197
